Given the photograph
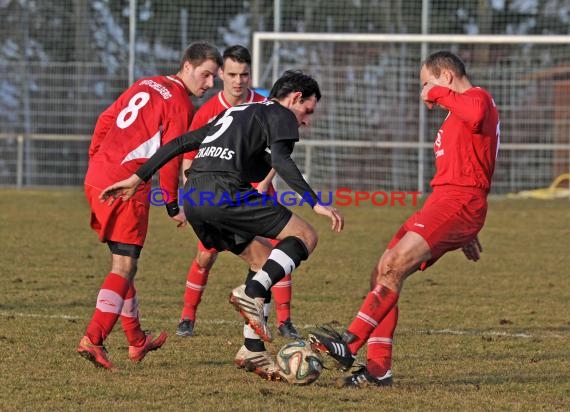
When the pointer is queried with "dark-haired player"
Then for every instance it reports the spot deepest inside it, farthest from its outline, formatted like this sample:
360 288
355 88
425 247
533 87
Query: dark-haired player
235 75
238 147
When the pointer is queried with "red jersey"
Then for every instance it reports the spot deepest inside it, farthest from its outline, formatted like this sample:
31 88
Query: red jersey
149 114
467 142
213 107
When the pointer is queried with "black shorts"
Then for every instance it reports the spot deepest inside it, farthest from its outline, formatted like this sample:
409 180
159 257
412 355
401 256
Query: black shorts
227 214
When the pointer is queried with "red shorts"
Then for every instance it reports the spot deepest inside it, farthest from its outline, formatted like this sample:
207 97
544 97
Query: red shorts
450 218
123 222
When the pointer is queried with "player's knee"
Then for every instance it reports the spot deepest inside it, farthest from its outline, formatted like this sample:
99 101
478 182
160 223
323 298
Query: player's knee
206 259
302 230
124 266
295 248
310 238
391 267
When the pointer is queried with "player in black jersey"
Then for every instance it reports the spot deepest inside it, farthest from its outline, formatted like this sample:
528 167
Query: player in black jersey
240 146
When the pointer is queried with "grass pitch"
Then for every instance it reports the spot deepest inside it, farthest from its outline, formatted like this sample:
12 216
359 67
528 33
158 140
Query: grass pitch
485 336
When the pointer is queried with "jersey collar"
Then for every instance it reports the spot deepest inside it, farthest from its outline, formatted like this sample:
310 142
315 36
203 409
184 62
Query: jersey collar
178 81
227 105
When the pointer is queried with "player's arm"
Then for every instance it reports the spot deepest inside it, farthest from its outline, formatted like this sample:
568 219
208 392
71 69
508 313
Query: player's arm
182 144
169 175
104 123
287 169
265 184
471 108
125 189
186 164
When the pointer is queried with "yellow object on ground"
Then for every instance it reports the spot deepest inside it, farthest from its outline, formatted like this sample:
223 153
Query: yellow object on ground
554 191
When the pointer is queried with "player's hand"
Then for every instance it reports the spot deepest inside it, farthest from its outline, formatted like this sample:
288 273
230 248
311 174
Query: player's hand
262 187
180 218
337 219
125 189
472 250
424 95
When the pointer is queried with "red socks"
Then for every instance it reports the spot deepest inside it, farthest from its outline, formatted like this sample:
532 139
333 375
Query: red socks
109 306
282 296
375 307
130 318
380 344
195 284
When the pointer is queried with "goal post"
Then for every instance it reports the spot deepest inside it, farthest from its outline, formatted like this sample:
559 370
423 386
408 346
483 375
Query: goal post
260 37
371 129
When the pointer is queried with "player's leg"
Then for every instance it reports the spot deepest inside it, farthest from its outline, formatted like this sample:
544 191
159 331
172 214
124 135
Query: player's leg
445 223
253 356
125 259
282 293
126 223
196 281
392 269
379 349
297 240
108 222
109 305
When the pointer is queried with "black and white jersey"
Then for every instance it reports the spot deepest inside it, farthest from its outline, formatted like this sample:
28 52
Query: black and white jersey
244 141
239 140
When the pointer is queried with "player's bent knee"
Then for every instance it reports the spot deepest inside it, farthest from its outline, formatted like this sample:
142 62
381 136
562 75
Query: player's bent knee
295 248
391 266
206 259
124 266
301 229
309 237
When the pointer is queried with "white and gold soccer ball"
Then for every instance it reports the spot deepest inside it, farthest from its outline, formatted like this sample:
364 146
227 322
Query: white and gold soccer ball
298 363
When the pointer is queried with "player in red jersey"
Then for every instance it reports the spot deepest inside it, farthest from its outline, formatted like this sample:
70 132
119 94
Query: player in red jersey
235 74
150 113
465 151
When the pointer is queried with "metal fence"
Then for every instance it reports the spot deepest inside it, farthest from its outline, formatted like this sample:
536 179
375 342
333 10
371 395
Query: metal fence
62 63
358 165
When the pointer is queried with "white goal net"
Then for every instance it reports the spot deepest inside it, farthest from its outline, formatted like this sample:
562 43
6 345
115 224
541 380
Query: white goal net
372 132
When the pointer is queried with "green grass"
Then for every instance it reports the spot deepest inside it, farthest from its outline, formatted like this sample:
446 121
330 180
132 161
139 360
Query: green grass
485 336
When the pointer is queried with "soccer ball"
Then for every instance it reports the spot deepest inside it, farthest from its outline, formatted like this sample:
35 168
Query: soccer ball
298 363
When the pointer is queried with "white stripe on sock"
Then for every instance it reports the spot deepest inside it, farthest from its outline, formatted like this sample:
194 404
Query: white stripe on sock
263 278
283 260
383 341
365 318
109 301
248 333
130 308
282 284
195 286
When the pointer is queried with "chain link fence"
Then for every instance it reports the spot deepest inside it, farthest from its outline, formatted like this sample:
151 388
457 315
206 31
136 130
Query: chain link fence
63 62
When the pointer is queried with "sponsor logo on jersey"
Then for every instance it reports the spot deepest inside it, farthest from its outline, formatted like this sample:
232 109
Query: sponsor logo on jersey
215 151
437 145
164 92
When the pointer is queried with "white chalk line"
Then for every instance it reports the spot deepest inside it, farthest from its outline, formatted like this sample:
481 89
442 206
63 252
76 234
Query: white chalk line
451 332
